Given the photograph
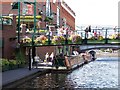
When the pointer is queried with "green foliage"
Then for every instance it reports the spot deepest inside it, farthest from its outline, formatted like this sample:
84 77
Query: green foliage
48 19
96 38
58 39
5 64
13 64
20 57
75 38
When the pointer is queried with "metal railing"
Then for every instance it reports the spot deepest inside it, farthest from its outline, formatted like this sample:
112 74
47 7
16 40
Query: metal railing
95 36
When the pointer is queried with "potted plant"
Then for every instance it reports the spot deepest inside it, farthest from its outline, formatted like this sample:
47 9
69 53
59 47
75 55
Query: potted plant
26 40
58 40
75 39
42 39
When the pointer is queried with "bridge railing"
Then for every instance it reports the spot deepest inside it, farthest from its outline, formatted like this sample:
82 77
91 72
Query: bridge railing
102 36
93 36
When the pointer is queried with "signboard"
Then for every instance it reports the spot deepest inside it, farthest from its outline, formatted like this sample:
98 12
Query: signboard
30 9
27 9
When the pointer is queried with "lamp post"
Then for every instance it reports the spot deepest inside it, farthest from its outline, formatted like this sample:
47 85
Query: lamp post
19 22
33 47
33 35
106 39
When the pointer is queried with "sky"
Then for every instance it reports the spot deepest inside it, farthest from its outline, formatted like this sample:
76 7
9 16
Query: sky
95 12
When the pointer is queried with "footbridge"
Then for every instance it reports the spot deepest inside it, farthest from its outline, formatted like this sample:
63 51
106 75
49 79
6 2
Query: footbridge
98 46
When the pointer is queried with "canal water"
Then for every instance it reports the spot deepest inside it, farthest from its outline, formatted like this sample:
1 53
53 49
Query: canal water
102 73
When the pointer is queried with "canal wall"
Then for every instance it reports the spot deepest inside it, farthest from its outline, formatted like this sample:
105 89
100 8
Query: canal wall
107 54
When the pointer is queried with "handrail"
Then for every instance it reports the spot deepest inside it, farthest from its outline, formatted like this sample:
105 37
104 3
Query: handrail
96 36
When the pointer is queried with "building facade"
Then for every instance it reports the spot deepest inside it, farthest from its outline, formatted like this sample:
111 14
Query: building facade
60 14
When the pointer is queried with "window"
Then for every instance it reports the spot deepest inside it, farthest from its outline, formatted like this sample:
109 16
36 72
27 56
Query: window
54 1
64 22
7 21
48 8
0 20
58 16
1 42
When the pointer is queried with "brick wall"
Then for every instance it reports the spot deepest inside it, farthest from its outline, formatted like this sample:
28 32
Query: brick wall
70 20
41 51
8 35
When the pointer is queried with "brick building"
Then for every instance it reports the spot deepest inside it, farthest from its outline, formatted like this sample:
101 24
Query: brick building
8 37
60 12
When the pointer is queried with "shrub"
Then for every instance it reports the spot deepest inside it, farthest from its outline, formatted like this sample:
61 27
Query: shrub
5 64
13 64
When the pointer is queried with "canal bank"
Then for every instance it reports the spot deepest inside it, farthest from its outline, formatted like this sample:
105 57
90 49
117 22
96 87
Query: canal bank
101 74
14 77
98 74
107 54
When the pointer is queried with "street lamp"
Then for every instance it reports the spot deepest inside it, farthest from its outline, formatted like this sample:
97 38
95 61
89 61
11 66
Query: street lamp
33 47
106 39
33 35
18 22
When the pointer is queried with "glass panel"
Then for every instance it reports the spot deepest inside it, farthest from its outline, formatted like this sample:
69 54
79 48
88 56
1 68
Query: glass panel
0 20
7 21
1 43
58 16
48 8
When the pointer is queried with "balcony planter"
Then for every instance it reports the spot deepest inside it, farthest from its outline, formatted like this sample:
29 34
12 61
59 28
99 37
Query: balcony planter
113 40
94 39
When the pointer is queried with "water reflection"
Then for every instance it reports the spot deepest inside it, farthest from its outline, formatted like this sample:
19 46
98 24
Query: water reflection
97 74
